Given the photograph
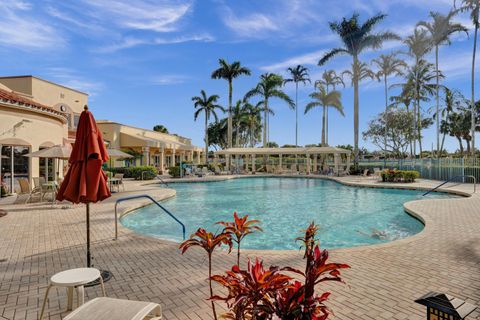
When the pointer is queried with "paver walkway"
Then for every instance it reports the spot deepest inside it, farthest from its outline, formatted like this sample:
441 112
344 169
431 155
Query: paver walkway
37 241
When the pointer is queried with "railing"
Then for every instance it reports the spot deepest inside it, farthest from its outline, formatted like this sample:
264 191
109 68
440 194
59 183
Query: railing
162 181
144 196
451 179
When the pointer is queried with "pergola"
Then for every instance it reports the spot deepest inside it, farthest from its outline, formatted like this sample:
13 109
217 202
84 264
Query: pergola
311 154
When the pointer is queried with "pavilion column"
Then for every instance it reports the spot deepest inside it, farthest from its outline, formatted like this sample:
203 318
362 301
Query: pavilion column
190 158
146 156
308 163
174 162
162 160
253 163
335 160
280 161
315 163
227 162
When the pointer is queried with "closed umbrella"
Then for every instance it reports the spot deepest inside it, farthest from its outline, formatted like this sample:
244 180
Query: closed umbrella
85 181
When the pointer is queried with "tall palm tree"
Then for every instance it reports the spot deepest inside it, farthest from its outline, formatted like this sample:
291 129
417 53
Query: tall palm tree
298 74
472 6
252 117
229 72
440 29
419 44
209 106
388 65
356 38
419 78
325 99
269 87
329 78
360 71
406 97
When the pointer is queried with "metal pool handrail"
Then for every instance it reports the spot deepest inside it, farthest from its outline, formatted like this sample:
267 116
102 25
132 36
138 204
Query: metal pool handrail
144 196
162 181
453 178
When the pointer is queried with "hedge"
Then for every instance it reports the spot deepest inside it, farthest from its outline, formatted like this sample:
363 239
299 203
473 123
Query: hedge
399 175
174 171
136 172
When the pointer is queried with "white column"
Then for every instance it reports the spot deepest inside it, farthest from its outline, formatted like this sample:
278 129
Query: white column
173 157
315 163
335 160
308 163
280 161
253 163
162 160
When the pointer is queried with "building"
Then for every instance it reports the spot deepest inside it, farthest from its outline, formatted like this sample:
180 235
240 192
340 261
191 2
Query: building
153 148
34 114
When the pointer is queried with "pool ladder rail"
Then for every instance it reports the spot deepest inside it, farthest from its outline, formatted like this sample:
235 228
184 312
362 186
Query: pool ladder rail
144 196
454 178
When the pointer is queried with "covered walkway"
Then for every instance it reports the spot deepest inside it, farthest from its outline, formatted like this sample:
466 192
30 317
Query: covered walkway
320 160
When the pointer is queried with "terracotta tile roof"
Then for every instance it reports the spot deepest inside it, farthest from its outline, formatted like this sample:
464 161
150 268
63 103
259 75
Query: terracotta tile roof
15 98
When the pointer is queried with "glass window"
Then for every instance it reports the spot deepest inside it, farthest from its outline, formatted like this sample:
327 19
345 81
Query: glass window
76 118
21 167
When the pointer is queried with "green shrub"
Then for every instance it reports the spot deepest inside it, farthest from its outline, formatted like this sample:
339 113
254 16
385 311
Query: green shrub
136 172
394 175
410 175
174 171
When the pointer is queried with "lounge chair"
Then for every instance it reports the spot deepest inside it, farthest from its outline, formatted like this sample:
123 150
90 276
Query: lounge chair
377 173
119 182
206 172
118 309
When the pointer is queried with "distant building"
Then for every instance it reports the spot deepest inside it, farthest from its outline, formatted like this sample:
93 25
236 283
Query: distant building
34 114
153 148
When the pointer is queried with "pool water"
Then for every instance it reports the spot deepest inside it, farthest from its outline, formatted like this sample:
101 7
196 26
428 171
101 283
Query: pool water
347 216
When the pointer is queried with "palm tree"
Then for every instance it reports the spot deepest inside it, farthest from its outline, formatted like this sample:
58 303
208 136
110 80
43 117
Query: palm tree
440 29
325 99
267 88
360 71
419 85
329 78
207 105
229 72
419 44
388 65
298 74
357 37
252 117
472 6
406 97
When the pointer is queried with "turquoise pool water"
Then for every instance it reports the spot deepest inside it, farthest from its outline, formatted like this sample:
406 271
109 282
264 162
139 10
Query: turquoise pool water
347 215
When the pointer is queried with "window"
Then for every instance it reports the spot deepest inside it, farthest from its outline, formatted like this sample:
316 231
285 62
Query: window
21 167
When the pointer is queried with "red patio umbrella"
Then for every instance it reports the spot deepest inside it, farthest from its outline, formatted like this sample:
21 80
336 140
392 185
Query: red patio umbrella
85 181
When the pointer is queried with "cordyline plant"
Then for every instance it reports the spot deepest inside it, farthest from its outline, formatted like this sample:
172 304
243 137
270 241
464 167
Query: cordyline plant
209 242
258 293
238 229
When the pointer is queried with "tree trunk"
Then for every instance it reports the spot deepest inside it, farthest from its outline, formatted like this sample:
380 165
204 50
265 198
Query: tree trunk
437 93
355 109
444 135
473 129
206 136
460 143
230 124
323 126
265 123
419 127
238 254
386 120
468 146
296 114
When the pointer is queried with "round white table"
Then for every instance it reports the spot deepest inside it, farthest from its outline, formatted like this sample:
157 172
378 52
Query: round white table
73 279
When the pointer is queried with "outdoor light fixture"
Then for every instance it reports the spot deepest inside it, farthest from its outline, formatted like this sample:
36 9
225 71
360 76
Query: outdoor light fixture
442 306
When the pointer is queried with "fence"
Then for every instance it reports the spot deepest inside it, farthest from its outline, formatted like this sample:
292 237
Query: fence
436 169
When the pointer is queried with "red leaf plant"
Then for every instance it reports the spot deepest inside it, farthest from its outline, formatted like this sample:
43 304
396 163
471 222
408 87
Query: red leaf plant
250 291
209 242
259 294
238 229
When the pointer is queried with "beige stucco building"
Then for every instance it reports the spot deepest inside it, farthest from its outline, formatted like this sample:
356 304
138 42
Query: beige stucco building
154 148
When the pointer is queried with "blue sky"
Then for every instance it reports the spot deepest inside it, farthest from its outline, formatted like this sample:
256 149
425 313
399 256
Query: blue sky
142 61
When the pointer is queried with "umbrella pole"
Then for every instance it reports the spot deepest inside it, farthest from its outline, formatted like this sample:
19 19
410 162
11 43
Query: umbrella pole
89 258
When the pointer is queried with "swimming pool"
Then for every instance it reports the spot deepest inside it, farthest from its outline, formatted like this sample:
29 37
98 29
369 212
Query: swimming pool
347 215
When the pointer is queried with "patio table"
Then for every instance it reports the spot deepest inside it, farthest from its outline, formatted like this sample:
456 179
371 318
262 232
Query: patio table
73 279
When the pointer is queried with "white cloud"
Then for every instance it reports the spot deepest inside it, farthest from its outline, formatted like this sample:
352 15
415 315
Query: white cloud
72 79
171 79
251 25
130 42
20 29
305 59
158 16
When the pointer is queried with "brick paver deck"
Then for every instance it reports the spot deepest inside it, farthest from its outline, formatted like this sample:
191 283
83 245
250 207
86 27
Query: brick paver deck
37 241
